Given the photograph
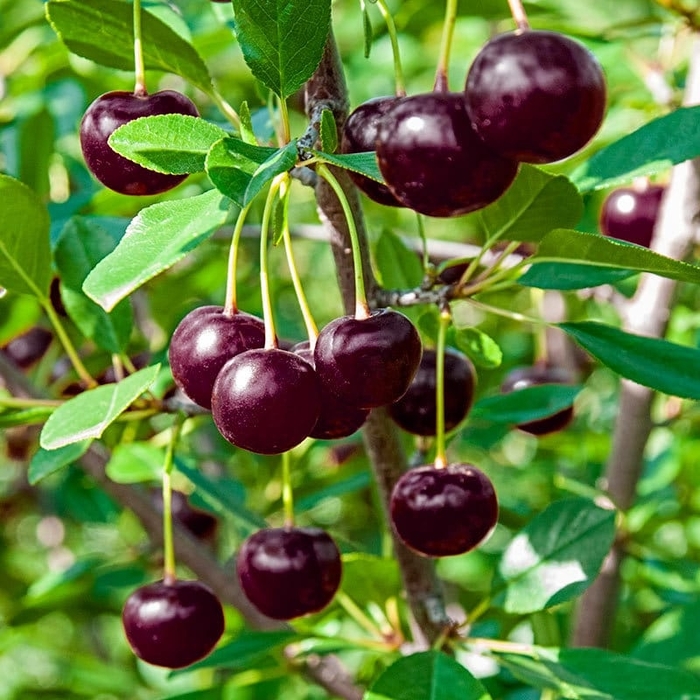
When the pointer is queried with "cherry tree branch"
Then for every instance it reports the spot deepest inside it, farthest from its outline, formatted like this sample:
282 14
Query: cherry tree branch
647 313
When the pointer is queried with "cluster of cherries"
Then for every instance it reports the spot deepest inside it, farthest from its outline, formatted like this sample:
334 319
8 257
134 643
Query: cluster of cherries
530 97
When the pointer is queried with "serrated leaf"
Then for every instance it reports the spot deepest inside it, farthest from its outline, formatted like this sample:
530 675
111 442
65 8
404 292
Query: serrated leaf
659 364
156 239
46 462
329 131
481 348
363 163
567 276
534 204
429 675
102 31
89 414
555 557
135 462
176 144
398 267
25 255
655 147
282 40
525 405
81 245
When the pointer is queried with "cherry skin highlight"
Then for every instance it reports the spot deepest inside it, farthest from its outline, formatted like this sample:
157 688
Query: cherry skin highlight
443 512
173 624
104 116
630 213
535 96
204 341
289 572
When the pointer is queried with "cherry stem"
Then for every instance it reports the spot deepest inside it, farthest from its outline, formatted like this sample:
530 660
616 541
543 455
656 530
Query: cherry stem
268 317
311 327
400 85
440 450
537 296
361 306
519 15
226 109
358 614
448 28
169 575
424 242
284 117
287 491
139 67
231 303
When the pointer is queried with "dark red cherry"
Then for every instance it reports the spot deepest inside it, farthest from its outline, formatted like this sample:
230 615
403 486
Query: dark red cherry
535 96
337 418
432 160
289 572
105 115
442 512
416 410
266 401
173 624
204 341
360 135
369 362
630 213
199 523
28 347
524 377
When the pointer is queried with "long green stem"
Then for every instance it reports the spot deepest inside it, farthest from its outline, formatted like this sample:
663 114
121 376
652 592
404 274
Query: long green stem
424 242
226 109
440 450
358 614
399 83
514 315
14 402
519 15
139 67
231 304
361 306
287 491
541 351
448 28
268 316
168 542
284 117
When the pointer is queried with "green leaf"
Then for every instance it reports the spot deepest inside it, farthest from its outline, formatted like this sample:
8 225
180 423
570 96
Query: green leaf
534 204
81 245
135 462
367 31
89 414
282 40
25 416
25 255
600 251
659 364
483 350
176 144
370 579
363 163
525 405
247 131
46 462
156 239
555 557
329 131
567 276
398 267
653 148
429 675
241 170
102 31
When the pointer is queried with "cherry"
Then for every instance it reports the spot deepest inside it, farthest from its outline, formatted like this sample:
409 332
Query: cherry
440 512
416 410
337 419
266 400
368 362
360 135
630 213
199 523
105 115
28 347
204 341
535 96
173 624
289 572
432 160
524 377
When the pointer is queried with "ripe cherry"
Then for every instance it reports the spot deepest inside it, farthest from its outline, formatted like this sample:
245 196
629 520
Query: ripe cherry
524 377
535 96
266 400
289 572
28 347
441 512
105 115
173 624
360 135
432 160
204 341
416 410
630 213
368 362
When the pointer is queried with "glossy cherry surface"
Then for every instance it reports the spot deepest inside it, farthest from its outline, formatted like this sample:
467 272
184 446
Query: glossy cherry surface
173 624
443 512
266 401
289 572
432 160
535 96
369 362
630 213
416 410
204 341
105 115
